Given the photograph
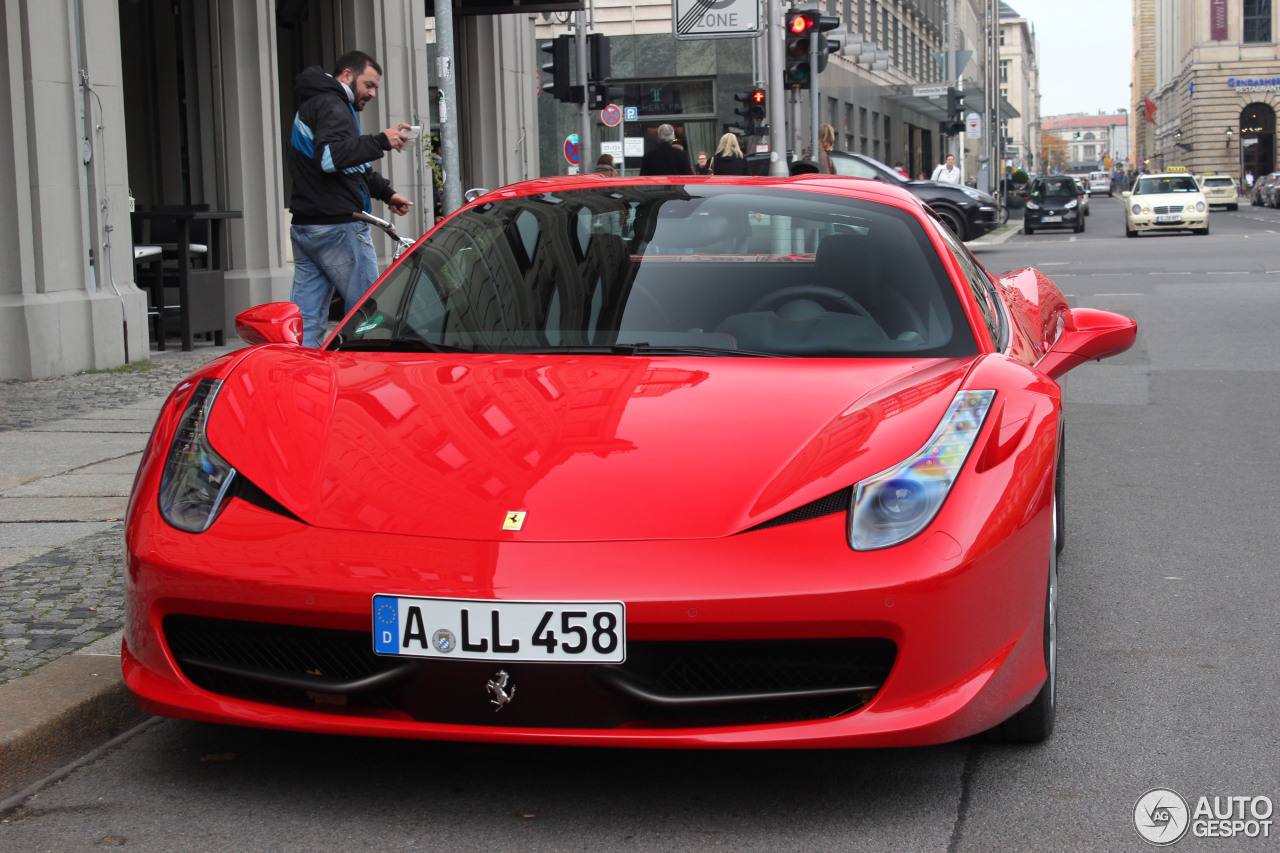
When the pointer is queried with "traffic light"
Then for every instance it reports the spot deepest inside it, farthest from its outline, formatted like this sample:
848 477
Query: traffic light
598 58
758 110
555 73
800 26
955 103
600 95
747 111
827 45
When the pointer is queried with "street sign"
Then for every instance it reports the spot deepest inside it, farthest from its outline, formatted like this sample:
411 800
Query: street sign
611 115
973 126
572 150
715 19
630 113
938 91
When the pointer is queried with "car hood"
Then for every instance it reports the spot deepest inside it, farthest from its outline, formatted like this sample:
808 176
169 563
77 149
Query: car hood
1166 199
589 447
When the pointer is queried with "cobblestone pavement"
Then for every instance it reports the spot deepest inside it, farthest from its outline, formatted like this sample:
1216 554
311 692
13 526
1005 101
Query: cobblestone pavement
68 597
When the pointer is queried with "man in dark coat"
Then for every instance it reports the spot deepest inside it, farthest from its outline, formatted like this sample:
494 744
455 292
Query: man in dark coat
665 158
331 164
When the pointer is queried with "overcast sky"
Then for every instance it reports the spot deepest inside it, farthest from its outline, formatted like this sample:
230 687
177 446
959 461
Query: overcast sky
1086 53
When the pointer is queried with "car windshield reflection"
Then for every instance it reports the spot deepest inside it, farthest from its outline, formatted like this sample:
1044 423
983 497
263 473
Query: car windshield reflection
691 269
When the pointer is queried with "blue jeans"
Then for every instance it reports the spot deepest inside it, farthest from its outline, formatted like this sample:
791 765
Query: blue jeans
328 258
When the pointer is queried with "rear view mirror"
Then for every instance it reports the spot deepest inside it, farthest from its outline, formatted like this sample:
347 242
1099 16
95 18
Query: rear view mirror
272 323
1088 334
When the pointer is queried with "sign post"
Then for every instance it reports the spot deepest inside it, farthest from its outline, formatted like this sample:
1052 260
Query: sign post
572 153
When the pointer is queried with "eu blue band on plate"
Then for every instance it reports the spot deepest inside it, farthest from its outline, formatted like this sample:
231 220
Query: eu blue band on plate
386 625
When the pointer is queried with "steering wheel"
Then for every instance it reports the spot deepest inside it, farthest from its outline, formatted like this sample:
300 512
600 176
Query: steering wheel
828 297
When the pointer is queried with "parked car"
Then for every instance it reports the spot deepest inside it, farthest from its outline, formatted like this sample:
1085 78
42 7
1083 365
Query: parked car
1258 193
969 213
1099 183
1053 202
1166 202
627 462
1220 190
1271 192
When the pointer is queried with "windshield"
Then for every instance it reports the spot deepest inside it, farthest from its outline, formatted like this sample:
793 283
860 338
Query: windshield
1054 189
1159 185
696 268
1217 182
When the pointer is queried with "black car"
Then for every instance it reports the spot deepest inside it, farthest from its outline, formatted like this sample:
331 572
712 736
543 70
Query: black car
1053 201
969 213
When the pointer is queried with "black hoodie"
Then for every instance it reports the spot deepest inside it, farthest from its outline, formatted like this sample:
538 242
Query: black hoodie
331 163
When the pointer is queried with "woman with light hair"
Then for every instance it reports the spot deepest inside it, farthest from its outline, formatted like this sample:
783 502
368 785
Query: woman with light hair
728 159
826 141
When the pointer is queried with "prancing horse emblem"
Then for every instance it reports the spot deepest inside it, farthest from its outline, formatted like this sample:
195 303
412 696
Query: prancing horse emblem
498 687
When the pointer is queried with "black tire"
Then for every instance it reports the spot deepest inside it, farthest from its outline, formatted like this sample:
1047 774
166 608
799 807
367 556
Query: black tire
1027 229
1203 231
1060 492
1233 207
1129 232
1034 723
1079 225
954 221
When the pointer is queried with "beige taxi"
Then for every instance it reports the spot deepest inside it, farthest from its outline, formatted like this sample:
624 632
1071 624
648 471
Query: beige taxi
1220 189
1168 201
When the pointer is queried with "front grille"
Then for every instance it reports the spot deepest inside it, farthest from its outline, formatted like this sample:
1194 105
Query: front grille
1167 208
829 505
662 684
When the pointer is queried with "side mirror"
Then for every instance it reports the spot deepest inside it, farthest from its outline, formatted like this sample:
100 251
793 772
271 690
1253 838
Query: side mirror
1088 334
805 167
272 323
1125 194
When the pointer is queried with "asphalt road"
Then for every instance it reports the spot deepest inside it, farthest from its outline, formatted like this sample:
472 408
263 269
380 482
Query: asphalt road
1168 675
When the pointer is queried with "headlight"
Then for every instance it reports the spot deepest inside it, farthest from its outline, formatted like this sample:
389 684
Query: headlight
972 193
1199 207
1137 210
1031 205
898 503
195 478
1071 204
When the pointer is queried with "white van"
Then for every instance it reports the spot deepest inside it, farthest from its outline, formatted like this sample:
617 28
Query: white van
1100 182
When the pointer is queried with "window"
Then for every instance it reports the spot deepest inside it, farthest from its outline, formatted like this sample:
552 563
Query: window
1257 21
1004 71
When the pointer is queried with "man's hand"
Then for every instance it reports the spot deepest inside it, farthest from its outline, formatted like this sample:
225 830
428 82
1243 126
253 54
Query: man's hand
397 136
399 204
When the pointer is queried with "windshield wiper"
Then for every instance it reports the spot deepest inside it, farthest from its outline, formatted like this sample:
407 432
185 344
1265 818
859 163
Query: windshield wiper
392 345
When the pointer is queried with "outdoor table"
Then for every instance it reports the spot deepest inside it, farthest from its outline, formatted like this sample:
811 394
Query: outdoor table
201 298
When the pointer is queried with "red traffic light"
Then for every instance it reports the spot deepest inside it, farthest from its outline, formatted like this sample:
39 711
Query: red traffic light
757 96
800 24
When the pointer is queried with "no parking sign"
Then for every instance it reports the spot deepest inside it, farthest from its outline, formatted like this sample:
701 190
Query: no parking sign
572 150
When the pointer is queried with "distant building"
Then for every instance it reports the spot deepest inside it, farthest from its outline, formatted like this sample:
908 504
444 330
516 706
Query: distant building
1098 142
1206 85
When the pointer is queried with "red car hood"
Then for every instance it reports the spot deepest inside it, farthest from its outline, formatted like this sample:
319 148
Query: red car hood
590 447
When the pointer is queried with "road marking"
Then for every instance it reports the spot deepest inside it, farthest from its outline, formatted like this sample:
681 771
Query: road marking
1226 272
1055 264
1171 272
1119 294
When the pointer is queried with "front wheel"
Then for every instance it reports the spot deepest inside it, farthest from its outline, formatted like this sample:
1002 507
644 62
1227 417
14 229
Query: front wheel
1034 723
1027 229
1129 232
953 221
1203 231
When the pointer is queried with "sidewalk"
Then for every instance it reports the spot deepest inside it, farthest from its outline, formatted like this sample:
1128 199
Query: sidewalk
69 448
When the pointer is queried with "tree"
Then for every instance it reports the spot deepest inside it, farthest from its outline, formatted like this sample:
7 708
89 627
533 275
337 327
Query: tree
1053 152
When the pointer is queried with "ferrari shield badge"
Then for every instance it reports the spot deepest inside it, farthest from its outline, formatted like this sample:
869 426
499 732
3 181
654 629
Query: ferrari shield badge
501 689
513 521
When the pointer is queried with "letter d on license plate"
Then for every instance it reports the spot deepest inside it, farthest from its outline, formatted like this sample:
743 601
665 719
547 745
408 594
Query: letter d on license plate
482 629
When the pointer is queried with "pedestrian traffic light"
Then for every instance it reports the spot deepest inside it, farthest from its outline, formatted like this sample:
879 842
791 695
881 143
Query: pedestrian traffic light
600 95
747 111
555 73
758 110
800 26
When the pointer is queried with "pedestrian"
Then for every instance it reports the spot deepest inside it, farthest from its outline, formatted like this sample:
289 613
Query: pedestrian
826 142
664 158
703 166
728 159
1248 178
331 164
604 166
947 173
902 170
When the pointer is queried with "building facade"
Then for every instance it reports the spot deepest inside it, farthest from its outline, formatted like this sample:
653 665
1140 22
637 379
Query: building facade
1020 87
1094 142
1209 88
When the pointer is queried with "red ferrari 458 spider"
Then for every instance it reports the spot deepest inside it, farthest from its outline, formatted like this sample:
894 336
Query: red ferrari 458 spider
630 462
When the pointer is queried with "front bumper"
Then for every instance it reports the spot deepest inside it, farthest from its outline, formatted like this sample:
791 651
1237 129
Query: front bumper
955 631
1058 217
1186 222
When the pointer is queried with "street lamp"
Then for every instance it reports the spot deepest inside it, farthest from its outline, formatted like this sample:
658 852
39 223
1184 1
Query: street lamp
1230 131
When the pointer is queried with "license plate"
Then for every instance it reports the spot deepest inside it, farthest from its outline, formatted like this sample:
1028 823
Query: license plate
1050 218
1169 217
483 629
